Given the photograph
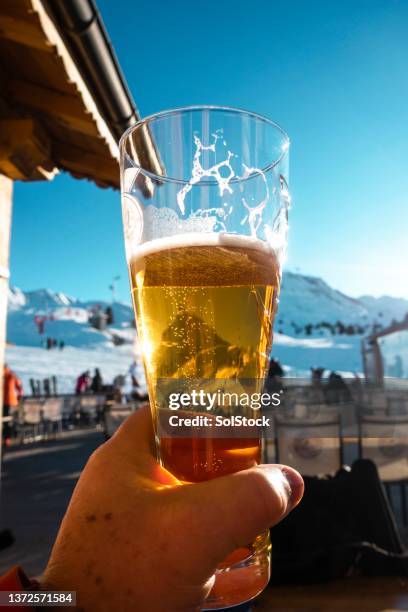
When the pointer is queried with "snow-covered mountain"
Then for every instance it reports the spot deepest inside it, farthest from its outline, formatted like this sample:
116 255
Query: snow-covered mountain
307 332
310 301
63 318
385 308
308 306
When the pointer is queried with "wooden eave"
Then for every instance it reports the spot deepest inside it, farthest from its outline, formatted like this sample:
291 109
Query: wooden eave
48 117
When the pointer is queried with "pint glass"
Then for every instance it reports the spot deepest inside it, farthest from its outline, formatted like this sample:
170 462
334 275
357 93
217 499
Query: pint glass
205 203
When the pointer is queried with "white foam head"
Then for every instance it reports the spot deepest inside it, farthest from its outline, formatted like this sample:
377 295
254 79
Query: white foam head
193 239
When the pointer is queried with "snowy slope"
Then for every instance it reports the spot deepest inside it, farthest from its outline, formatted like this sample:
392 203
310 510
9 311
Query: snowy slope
66 365
304 301
385 308
296 354
338 353
66 319
310 300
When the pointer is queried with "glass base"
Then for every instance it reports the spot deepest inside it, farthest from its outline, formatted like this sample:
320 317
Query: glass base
242 576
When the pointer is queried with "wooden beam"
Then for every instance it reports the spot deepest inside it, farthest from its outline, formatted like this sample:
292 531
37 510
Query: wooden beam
25 150
24 33
68 109
6 192
83 163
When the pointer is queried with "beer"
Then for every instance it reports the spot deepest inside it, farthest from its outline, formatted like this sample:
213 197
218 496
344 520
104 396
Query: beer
204 305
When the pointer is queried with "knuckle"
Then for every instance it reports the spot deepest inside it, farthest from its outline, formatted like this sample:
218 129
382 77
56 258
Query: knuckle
100 456
271 500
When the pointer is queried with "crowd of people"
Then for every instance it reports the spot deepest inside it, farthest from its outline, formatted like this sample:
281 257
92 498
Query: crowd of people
333 388
86 383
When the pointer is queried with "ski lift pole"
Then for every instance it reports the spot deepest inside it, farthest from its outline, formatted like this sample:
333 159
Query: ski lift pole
112 288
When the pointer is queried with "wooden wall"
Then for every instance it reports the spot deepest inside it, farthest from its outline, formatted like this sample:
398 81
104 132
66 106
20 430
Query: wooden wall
6 190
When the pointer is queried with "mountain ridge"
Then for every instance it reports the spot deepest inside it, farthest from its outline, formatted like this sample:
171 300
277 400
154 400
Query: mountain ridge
308 306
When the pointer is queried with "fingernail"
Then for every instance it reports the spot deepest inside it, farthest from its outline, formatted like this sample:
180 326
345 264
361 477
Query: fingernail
295 485
280 482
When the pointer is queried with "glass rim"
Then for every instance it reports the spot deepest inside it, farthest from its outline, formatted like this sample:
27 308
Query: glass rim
145 121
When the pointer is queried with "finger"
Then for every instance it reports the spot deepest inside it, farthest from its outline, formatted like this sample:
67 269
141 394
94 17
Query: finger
229 512
136 433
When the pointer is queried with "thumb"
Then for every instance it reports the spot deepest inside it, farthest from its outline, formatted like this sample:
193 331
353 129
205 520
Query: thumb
229 512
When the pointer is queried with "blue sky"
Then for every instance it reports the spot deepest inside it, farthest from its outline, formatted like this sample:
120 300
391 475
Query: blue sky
333 73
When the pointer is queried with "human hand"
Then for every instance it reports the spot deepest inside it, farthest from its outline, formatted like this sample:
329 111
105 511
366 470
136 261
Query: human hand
133 538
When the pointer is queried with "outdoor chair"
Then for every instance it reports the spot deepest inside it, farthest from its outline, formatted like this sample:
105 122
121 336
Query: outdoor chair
375 399
313 446
101 400
384 440
397 405
89 406
8 423
52 417
31 426
70 411
303 395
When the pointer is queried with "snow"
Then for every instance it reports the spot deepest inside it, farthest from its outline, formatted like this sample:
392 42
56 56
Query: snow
385 308
333 353
307 299
66 365
282 340
304 300
66 319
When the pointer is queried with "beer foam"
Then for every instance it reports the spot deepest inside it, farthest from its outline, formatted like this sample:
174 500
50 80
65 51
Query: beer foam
162 222
202 239
206 259
213 172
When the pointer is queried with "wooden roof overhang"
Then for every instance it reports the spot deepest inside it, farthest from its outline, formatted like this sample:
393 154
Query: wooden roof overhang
49 119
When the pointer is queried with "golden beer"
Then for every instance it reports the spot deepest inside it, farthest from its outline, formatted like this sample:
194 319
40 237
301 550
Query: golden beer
205 310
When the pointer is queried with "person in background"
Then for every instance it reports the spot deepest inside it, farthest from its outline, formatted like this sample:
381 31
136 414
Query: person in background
317 376
356 388
336 389
137 393
118 384
82 384
274 377
97 382
12 393
317 388
133 371
275 369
